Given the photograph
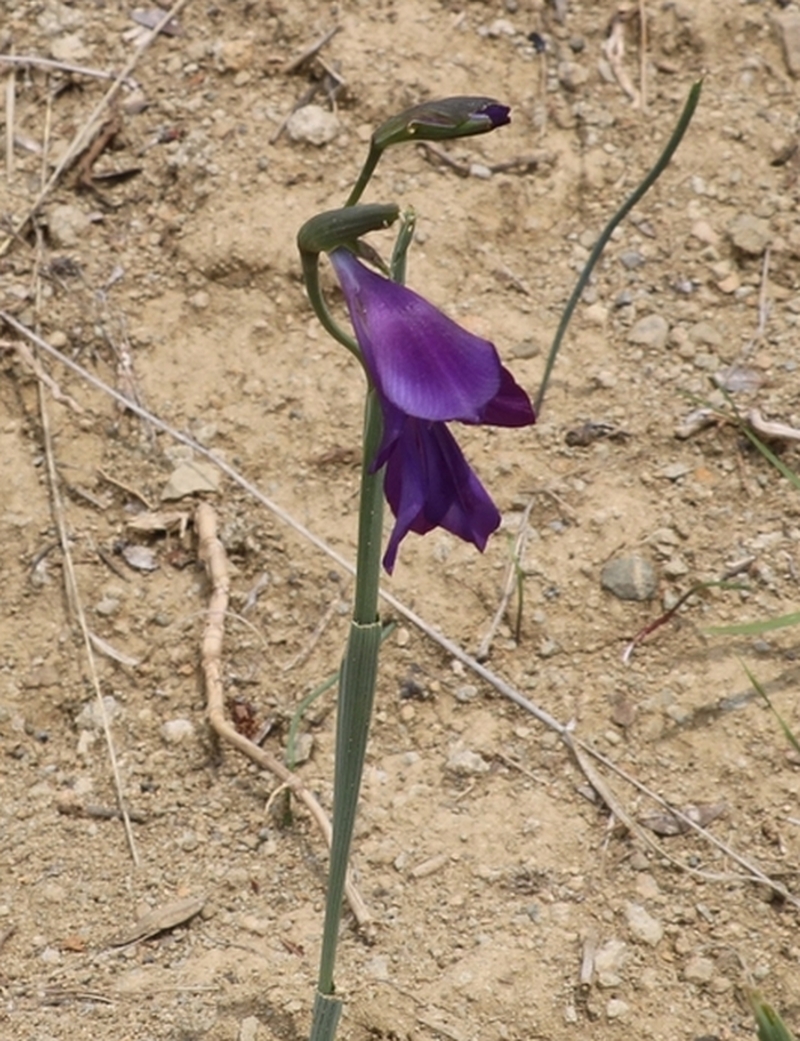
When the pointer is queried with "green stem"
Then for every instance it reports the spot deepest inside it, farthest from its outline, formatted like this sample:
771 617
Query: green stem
310 262
367 171
356 694
600 245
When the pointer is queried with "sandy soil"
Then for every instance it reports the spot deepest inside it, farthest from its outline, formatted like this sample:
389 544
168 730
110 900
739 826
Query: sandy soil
491 868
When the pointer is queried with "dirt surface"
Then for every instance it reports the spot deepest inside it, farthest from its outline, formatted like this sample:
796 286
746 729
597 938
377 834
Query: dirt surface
508 902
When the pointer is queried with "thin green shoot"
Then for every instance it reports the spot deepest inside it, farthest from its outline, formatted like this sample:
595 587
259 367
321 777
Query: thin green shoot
756 628
763 694
661 165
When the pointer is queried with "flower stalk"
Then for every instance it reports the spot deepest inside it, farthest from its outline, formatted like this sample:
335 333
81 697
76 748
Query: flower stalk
404 440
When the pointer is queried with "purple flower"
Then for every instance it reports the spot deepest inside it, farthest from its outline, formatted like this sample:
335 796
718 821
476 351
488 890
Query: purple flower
427 371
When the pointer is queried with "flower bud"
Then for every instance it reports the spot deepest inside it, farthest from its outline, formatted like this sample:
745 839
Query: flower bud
440 120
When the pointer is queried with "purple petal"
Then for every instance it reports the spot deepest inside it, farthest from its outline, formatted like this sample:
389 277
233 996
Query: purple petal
420 360
499 115
429 484
510 407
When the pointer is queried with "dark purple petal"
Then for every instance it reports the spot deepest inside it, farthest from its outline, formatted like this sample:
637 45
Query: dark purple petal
498 115
429 484
510 407
419 360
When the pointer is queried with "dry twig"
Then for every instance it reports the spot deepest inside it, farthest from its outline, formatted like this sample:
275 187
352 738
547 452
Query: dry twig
510 584
26 356
11 88
77 612
212 553
614 50
49 64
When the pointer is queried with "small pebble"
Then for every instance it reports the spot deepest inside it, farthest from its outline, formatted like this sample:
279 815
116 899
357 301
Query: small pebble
629 578
651 331
749 234
571 75
609 962
249 1029
698 970
617 1008
465 762
313 125
188 478
642 925
175 731
468 692
631 259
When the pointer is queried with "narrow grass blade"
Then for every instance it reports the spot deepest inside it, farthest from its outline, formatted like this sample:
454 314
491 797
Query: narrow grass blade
622 212
756 628
784 726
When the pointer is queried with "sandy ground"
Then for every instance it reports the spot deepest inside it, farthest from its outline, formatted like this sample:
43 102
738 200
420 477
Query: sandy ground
508 902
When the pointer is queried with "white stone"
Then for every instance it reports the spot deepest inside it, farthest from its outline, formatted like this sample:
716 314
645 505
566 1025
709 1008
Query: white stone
174 731
642 925
313 125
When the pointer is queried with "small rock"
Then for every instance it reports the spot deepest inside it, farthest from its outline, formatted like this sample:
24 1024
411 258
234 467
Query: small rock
465 762
730 284
466 693
303 747
66 225
107 606
631 259
479 170
188 478
313 125
703 231
629 578
235 55
199 300
676 567
642 925
617 1008
175 731
749 234
90 716
529 349
787 29
609 962
548 648
597 314
706 334
571 75
188 841
500 27
249 1029
255 925
69 48
674 471
57 18
698 970
650 331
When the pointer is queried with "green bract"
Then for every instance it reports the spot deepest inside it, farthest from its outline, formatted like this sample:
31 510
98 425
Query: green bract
327 231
